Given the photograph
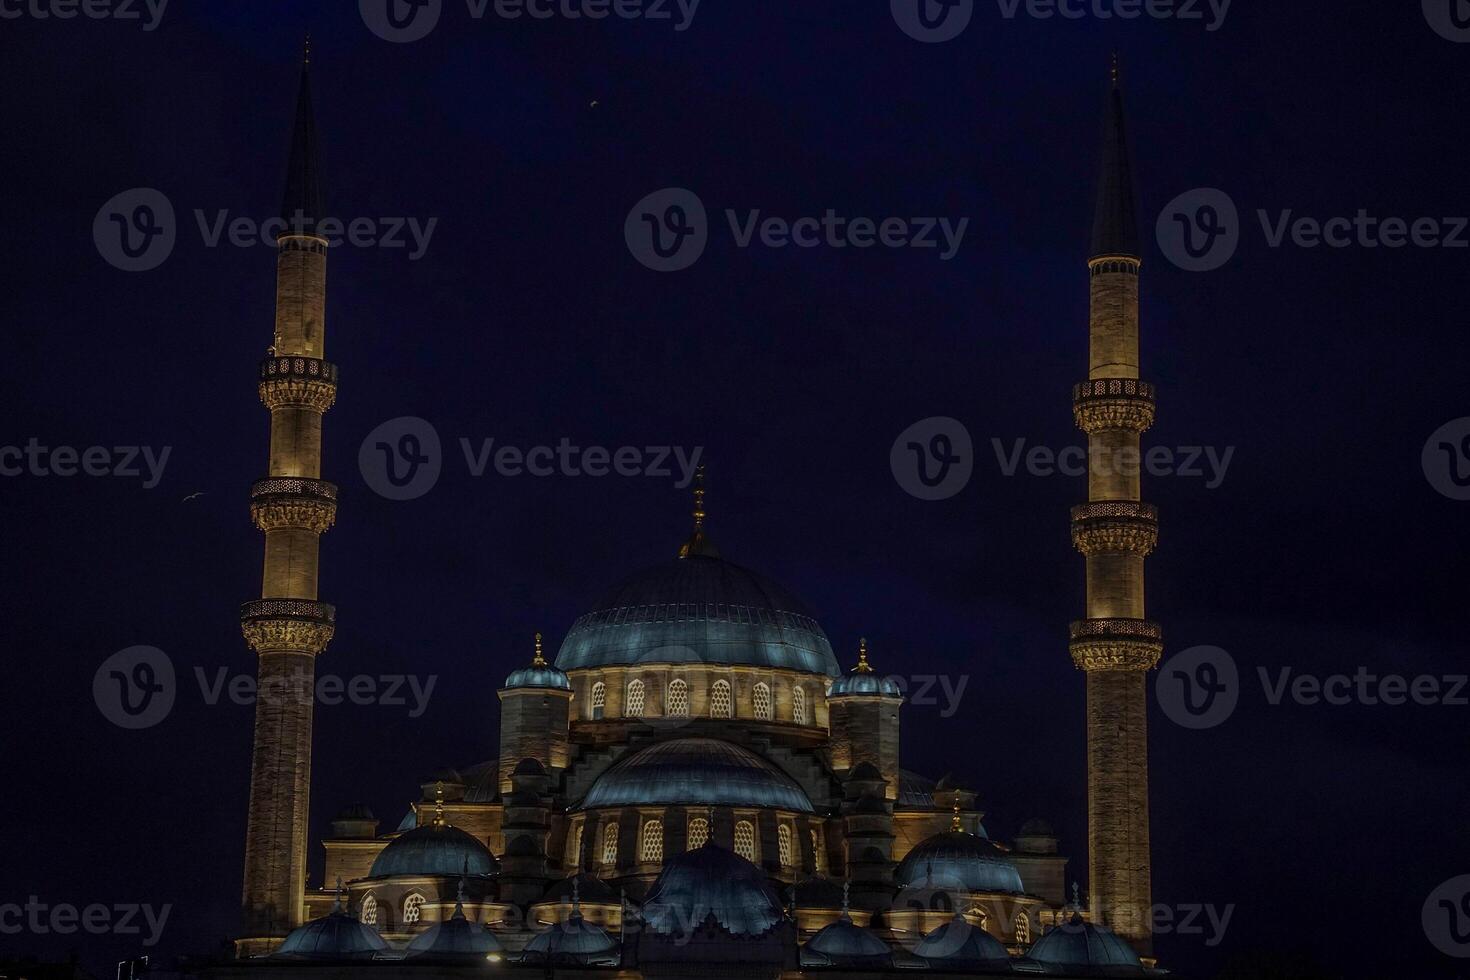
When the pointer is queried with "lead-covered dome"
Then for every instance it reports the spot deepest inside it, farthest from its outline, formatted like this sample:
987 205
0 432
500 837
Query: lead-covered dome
335 936
960 944
702 771
698 609
958 861
707 883
433 849
1078 946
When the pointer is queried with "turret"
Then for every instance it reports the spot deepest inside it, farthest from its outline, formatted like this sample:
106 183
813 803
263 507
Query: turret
535 713
862 710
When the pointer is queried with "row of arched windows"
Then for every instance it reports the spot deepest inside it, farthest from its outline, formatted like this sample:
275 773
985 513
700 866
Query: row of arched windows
413 909
651 841
721 701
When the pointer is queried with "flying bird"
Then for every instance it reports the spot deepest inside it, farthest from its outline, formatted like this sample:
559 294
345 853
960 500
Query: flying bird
196 493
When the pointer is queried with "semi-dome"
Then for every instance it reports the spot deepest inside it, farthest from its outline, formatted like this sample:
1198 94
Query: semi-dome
698 609
455 938
960 861
843 943
703 771
574 940
335 936
433 849
961 944
1081 946
710 882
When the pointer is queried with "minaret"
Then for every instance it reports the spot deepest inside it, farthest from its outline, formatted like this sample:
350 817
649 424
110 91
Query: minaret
287 627
1115 644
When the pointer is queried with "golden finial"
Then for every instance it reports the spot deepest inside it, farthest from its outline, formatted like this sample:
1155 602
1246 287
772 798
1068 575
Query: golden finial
439 804
306 50
699 498
954 824
1115 69
697 543
863 667
538 660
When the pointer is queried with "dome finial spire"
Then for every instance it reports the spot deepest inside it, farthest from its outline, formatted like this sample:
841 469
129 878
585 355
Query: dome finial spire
955 824
863 667
576 895
337 896
538 660
439 804
698 544
306 51
1114 71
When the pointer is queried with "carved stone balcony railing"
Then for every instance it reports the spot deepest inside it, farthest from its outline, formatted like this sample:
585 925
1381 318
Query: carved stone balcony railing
1116 644
293 502
1113 403
298 382
287 625
1115 526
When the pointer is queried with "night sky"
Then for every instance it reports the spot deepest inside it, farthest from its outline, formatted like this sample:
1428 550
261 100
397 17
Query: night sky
1324 549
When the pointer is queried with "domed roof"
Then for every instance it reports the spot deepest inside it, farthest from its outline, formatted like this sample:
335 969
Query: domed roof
706 882
538 673
433 849
456 937
862 682
842 943
334 936
575 940
962 944
698 609
704 771
961 861
1081 944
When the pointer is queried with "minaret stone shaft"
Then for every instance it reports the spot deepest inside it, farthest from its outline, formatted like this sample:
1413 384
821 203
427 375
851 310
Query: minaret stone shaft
287 626
1115 645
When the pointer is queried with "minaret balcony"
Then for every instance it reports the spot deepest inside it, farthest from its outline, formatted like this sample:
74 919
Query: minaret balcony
1113 403
298 382
288 625
1115 527
1116 644
293 502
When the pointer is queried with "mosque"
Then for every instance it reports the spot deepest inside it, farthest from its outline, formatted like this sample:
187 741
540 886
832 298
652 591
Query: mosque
695 784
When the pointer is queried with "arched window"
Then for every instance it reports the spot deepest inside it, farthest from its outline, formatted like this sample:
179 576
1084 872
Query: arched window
653 841
574 857
599 699
783 845
798 705
745 840
816 851
369 911
719 700
1023 928
678 706
634 708
413 907
610 844
760 700
698 832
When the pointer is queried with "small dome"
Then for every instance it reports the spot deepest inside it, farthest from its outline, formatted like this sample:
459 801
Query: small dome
335 936
433 849
574 941
545 676
711 882
842 943
864 771
703 771
529 767
962 944
1085 945
855 684
456 938
702 610
960 861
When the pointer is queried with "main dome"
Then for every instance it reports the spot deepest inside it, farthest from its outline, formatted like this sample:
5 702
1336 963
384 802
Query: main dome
703 771
698 609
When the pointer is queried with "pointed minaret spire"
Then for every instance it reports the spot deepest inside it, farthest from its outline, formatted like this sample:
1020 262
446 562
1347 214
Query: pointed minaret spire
955 825
301 206
1115 220
698 544
863 667
538 660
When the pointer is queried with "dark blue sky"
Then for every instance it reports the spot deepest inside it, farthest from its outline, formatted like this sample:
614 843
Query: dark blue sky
527 320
